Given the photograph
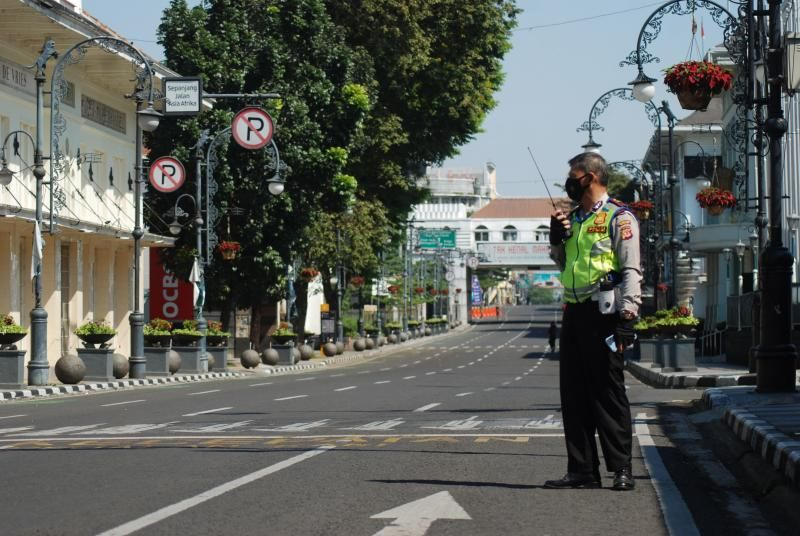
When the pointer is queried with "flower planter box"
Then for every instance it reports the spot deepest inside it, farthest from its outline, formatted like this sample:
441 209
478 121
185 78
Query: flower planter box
286 354
678 355
193 361
649 350
12 368
157 360
99 363
220 354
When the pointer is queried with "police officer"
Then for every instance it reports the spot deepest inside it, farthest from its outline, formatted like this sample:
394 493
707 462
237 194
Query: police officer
596 246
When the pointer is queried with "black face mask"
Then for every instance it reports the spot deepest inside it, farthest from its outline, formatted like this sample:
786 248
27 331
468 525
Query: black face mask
575 188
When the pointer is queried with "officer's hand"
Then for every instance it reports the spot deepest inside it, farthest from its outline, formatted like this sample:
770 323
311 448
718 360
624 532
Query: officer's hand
559 227
625 334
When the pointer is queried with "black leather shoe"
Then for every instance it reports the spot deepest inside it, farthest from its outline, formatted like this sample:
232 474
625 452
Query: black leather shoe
623 480
575 480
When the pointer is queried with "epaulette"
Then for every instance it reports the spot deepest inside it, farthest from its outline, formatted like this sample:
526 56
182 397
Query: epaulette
617 202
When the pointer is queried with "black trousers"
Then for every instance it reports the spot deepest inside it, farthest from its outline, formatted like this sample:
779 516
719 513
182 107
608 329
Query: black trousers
593 397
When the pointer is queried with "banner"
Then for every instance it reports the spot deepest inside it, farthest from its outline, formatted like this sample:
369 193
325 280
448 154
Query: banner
170 298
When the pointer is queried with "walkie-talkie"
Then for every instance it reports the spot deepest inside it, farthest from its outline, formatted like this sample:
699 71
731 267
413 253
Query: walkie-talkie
567 232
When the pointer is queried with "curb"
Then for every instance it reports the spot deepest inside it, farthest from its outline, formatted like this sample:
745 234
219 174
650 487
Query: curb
656 378
119 384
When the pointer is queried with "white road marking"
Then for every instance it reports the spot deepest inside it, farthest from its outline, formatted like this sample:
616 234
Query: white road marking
430 373
462 366
129 429
506 383
215 410
290 397
448 370
417 362
382 382
489 389
426 408
204 392
416 517
173 509
305 379
61 430
296 427
676 514
259 384
337 375
12 430
460 425
12 417
212 428
121 403
364 372
378 425
346 388
464 394
385 369
518 378
471 363
409 377
403 366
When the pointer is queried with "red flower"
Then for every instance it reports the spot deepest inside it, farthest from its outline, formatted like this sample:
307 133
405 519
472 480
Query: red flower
226 245
641 205
458 291
444 292
357 280
713 196
698 76
307 274
393 289
419 290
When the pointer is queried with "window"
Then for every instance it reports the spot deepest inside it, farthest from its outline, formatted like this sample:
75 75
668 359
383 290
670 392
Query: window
542 233
509 233
481 234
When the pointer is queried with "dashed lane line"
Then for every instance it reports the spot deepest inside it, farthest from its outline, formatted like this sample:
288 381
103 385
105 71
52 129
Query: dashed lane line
427 407
215 410
382 382
204 392
290 398
464 394
259 384
12 417
346 388
409 377
121 403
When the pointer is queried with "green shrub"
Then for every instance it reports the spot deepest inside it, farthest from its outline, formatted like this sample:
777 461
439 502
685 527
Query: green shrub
9 326
95 328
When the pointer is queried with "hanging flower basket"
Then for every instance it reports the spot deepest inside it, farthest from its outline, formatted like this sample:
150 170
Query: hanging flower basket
229 250
642 209
308 274
695 82
419 290
357 281
458 291
444 292
393 289
716 200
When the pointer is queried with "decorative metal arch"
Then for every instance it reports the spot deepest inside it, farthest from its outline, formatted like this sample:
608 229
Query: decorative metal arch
735 40
631 168
59 90
600 105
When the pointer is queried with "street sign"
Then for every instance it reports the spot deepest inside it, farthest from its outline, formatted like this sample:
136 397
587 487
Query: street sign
472 262
167 174
437 239
183 96
252 128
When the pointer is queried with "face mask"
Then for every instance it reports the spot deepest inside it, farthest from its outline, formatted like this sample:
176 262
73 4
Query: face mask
575 188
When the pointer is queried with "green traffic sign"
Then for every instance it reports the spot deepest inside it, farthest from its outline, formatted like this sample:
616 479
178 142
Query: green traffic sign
437 239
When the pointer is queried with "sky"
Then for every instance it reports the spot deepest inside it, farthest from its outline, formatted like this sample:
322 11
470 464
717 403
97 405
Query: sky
565 56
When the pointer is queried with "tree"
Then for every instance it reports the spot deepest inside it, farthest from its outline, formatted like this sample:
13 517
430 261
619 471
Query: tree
620 186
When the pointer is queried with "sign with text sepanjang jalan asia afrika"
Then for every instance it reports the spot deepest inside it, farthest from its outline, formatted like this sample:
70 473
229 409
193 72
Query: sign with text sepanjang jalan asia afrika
170 297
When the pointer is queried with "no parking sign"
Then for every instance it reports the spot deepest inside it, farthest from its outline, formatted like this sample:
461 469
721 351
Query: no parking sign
252 128
167 174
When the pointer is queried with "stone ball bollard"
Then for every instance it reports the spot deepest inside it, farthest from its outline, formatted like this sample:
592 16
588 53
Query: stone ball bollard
403 336
306 352
173 361
250 359
339 347
359 345
370 342
269 356
428 331
120 367
211 361
296 354
70 369
392 339
329 349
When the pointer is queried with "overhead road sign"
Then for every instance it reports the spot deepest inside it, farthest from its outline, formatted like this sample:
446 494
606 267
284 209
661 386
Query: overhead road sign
252 128
167 174
437 239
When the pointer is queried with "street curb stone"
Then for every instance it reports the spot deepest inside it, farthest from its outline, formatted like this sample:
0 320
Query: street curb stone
656 378
119 384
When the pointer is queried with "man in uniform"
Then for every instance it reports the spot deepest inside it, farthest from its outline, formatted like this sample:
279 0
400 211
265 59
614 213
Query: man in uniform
596 246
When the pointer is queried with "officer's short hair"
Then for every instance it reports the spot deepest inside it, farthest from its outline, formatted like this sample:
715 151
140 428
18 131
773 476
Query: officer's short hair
591 163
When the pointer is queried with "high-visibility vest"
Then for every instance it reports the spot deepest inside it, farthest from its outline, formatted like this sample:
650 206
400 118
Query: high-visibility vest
590 254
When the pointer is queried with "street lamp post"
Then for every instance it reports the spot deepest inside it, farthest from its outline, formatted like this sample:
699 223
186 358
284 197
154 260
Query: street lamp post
339 285
776 355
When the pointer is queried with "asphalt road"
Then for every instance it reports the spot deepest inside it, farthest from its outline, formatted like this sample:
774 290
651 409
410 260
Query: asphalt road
455 435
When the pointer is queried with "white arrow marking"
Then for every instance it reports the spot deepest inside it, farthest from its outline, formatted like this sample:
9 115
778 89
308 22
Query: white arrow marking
548 422
416 517
464 424
378 425
296 427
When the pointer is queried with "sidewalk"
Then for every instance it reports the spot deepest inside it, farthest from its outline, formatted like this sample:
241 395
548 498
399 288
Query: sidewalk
234 369
769 423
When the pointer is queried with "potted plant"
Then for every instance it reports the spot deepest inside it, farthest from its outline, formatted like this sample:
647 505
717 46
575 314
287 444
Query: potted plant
157 332
283 334
215 336
10 331
715 199
92 333
642 209
308 274
229 249
695 82
187 335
